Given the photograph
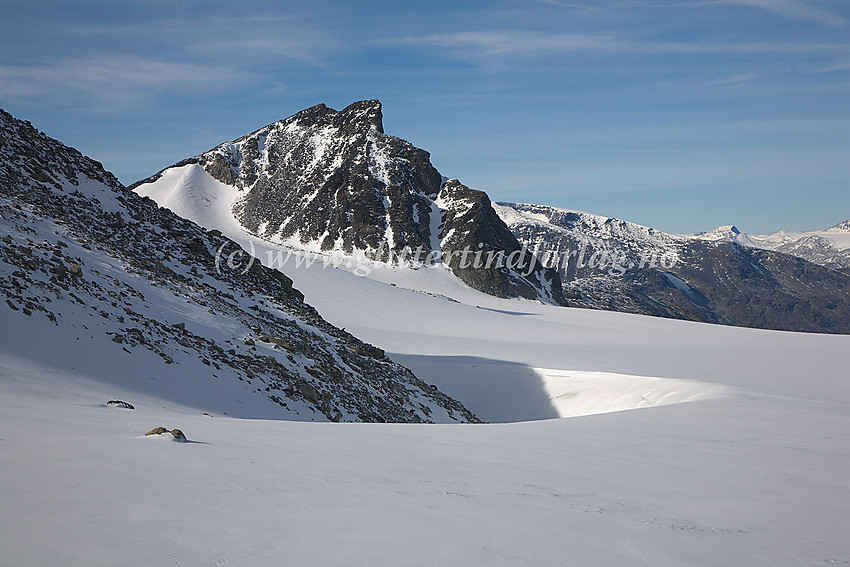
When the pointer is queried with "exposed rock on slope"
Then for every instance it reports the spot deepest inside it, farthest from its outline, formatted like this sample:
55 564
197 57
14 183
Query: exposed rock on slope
495 263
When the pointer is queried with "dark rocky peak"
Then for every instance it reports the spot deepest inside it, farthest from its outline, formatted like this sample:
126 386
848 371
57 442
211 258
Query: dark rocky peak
366 113
333 180
359 116
313 115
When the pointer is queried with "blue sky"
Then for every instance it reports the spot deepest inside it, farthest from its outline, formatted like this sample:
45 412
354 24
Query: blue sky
682 115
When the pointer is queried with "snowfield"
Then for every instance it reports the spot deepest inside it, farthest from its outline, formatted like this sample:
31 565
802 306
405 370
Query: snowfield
733 449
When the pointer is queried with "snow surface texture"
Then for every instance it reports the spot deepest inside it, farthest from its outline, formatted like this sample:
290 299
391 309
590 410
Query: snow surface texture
756 478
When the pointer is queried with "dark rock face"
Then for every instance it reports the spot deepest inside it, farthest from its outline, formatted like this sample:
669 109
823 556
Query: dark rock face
334 179
619 266
483 252
70 225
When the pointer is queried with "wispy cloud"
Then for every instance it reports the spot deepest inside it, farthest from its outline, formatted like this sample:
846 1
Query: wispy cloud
478 44
244 39
841 65
732 79
795 10
486 43
564 4
148 60
110 84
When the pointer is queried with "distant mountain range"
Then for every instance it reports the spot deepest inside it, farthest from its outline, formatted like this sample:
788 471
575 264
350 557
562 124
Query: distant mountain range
829 247
333 182
607 263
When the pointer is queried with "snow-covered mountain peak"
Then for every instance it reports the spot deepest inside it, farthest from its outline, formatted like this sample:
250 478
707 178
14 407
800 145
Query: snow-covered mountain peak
840 228
582 226
333 182
726 232
613 264
829 247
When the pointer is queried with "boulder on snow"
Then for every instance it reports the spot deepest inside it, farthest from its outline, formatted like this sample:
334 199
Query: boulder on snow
120 404
175 433
157 431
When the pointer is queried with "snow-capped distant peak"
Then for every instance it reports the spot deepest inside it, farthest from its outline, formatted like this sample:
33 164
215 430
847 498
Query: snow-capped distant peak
842 227
729 231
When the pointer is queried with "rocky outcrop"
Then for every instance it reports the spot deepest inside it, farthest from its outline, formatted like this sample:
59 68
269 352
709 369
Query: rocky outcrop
482 251
176 434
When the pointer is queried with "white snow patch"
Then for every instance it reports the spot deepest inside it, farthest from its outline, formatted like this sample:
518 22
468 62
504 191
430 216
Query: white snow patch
680 284
575 393
191 192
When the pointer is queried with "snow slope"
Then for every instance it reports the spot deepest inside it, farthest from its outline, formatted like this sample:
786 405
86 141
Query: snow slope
455 329
755 479
753 471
